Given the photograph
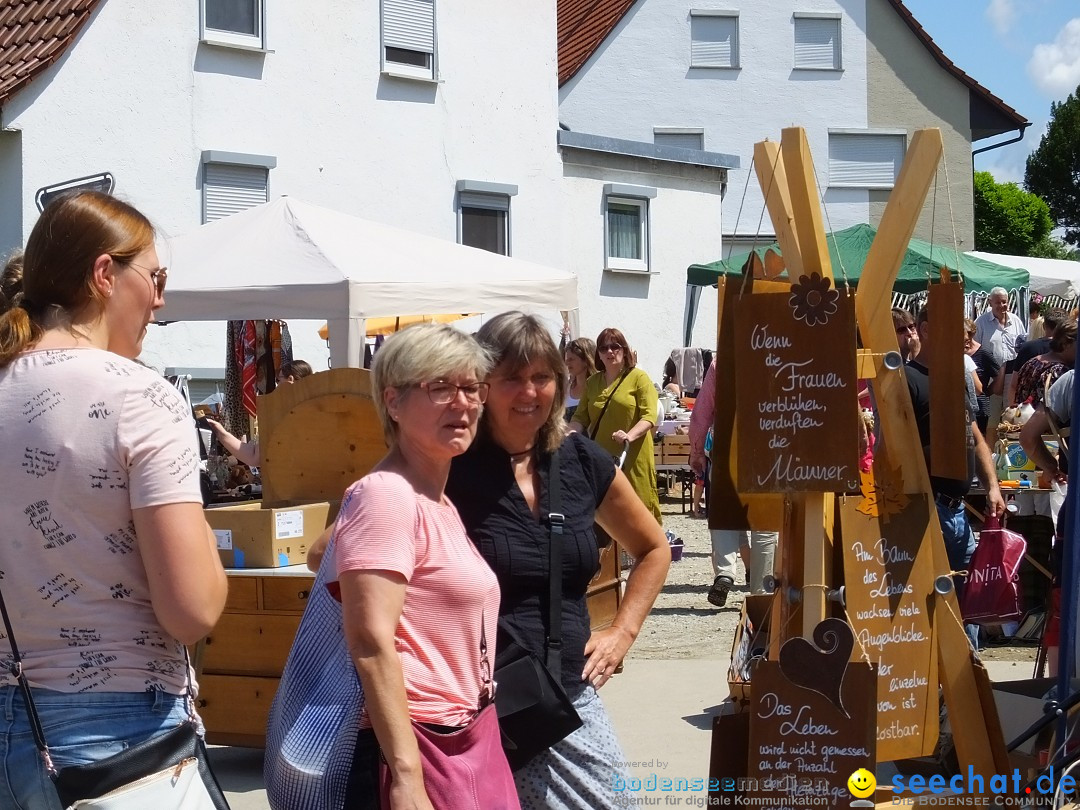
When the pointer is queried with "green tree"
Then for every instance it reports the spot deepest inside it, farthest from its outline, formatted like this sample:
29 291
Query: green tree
1008 219
1053 169
1050 248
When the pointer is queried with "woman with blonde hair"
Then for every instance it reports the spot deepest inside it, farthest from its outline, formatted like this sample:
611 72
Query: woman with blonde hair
419 604
111 568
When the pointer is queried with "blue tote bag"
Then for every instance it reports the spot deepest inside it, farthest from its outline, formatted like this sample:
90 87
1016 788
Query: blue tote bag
311 734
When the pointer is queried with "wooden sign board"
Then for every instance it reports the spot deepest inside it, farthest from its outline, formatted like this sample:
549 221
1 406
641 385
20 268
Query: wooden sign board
948 411
812 721
796 396
728 507
889 590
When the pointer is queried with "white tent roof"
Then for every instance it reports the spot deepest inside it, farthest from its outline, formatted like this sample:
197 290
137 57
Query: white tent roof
1048 276
292 259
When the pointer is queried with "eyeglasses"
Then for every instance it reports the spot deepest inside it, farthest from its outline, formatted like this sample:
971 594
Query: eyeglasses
443 393
158 277
611 347
909 327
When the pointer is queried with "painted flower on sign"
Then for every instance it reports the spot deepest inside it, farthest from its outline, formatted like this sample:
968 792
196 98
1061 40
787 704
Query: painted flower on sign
812 300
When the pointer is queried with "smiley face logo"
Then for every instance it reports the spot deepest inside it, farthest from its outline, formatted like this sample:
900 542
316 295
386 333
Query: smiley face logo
862 783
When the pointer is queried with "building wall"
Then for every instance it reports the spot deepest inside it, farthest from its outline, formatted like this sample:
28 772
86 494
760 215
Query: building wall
907 89
143 101
640 78
685 225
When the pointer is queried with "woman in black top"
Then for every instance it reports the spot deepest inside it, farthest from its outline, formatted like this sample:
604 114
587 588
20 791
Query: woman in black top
500 488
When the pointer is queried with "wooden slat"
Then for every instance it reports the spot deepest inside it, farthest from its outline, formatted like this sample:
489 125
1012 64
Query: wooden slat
978 741
874 302
948 438
769 167
805 203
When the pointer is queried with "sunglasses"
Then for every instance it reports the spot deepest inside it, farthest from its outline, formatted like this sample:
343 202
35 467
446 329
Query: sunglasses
906 328
611 347
159 277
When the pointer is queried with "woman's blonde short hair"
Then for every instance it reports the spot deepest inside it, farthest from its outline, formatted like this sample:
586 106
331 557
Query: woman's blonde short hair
422 353
515 340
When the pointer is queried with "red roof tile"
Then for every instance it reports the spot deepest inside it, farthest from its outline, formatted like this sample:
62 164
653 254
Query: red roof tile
34 34
584 24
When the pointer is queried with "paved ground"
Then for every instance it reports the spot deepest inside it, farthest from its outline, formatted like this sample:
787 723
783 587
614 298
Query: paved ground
673 682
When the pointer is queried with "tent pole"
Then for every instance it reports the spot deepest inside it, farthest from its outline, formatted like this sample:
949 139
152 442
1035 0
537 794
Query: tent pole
346 342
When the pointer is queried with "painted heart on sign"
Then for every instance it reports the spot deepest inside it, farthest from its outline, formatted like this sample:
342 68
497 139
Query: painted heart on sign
820 668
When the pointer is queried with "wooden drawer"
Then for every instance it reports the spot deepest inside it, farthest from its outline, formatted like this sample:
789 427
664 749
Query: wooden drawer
250 644
236 709
286 593
243 595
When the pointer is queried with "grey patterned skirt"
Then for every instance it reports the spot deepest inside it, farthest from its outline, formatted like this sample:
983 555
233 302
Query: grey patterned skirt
581 771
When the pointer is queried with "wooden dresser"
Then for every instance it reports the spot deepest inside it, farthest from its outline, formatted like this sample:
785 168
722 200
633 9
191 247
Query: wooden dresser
242 659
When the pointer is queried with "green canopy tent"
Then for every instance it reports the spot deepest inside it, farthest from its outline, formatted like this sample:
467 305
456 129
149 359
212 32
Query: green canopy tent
848 249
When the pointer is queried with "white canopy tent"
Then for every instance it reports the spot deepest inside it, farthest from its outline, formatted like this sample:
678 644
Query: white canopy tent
1048 276
291 259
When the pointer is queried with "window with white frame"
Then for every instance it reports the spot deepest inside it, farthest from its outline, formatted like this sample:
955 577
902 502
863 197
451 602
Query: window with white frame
626 227
484 215
714 39
238 23
683 137
865 159
408 38
234 182
818 42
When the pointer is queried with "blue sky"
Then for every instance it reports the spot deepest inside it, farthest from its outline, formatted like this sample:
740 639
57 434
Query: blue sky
1026 52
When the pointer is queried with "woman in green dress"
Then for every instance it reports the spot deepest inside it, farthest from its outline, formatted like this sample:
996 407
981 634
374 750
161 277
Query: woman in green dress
620 405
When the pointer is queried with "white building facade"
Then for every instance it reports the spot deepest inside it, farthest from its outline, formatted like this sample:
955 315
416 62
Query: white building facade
858 75
428 115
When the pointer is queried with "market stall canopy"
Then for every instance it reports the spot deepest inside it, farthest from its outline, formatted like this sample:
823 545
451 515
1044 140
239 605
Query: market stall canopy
292 259
1048 276
848 249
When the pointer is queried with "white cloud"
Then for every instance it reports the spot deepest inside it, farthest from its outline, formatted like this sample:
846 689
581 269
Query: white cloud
1002 15
1055 66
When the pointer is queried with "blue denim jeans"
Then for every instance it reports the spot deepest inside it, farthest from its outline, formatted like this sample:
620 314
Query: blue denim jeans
959 545
79 728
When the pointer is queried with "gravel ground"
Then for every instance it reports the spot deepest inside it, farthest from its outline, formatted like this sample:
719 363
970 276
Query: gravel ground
684 625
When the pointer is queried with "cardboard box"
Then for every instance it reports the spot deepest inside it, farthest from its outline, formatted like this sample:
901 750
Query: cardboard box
751 637
251 536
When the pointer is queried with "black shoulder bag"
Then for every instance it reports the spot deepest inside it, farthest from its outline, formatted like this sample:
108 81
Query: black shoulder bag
533 708
168 771
611 396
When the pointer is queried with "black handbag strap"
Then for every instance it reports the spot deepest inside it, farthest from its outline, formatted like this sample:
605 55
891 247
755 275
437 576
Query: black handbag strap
611 396
24 686
31 708
556 522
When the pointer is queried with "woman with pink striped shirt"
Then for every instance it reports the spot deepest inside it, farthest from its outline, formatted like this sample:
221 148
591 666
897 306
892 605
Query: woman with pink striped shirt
420 605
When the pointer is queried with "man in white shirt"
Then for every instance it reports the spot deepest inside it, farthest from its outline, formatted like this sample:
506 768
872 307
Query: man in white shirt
999 331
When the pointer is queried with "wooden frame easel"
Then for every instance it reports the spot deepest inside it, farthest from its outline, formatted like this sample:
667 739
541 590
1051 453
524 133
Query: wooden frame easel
804 555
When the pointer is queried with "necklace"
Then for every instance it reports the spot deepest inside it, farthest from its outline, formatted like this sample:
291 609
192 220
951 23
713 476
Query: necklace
526 452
